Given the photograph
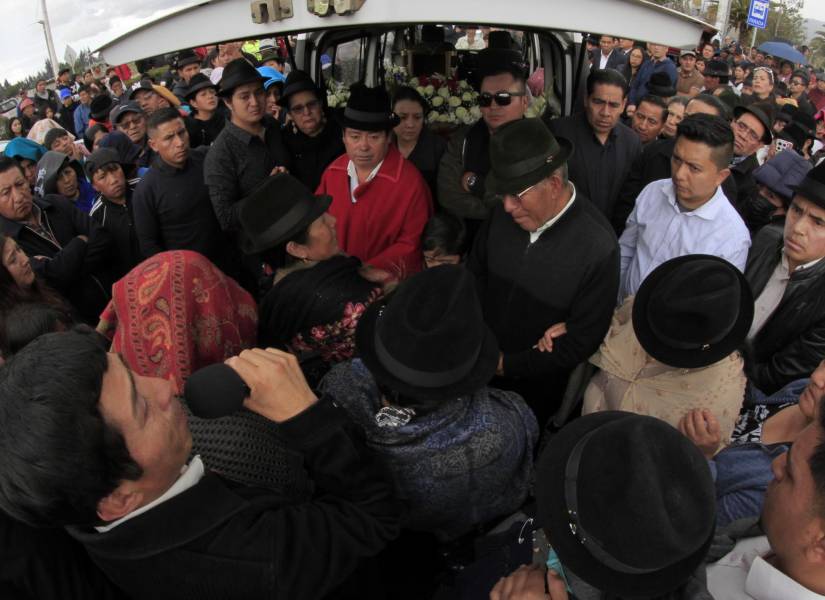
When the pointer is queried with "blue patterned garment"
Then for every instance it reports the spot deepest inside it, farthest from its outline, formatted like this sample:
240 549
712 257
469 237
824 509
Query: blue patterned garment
467 462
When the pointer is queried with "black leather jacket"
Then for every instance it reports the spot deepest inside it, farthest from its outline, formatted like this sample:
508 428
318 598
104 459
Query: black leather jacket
791 343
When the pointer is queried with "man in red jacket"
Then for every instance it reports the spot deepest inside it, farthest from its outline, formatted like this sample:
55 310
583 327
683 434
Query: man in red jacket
379 200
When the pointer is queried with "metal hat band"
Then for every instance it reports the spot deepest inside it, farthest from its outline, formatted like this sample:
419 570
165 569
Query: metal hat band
523 167
592 544
365 116
423 379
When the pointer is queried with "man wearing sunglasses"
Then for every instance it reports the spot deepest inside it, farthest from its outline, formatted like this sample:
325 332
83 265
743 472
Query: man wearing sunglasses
604 148
798 86
463 177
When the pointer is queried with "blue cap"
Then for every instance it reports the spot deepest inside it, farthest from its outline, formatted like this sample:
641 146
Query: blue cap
24 148
64 93
272 75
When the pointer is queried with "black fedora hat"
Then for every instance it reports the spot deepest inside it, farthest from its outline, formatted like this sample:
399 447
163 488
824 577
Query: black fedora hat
627 502
238 72
716 68
367 109
692 311
428 340
787 113
198 82
277 209
524 152
298 81
764 112
813 186
660 85
101 106
186 57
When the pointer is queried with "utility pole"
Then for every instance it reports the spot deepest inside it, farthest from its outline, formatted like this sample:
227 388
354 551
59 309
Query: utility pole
722 16
47 30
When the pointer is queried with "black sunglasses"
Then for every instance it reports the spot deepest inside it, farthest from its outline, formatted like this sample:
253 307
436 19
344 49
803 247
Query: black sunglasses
485 99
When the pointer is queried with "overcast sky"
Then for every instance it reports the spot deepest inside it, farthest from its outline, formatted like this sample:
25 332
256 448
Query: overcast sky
88 23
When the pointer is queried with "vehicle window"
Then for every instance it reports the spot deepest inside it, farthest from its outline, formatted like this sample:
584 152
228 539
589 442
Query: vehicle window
349 61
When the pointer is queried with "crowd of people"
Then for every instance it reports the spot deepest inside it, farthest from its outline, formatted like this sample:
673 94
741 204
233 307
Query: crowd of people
544 357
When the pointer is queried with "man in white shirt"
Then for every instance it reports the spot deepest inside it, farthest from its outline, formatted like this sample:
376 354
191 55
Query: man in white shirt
688 213
611 57
789 561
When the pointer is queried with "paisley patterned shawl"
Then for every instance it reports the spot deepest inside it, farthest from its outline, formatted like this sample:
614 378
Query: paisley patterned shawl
177 312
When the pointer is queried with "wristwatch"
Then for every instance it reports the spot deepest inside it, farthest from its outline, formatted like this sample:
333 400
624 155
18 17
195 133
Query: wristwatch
472 180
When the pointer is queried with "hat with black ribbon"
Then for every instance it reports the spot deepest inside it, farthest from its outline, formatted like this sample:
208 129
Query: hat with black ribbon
278 208
367 109
692 311
627 502
428 340
524 152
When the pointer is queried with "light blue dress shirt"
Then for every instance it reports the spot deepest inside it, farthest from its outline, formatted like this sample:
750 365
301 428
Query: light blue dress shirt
657 230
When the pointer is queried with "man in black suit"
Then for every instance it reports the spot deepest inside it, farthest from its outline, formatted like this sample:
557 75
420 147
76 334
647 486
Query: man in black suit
609 56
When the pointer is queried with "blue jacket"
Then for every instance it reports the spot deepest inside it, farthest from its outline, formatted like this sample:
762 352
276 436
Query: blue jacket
82 114
638 89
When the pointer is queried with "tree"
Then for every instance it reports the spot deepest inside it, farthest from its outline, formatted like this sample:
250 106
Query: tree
818 49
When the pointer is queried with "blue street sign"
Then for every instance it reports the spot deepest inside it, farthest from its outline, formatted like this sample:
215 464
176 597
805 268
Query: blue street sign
758 13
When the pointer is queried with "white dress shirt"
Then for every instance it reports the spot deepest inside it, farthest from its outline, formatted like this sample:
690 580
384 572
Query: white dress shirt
657 230
353 178
535 235
603 59
744 574
772 293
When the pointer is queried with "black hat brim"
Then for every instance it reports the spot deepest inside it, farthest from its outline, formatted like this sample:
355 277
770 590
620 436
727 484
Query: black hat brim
384 125
480 374
662 92
761 116
516 185
689 358
225 92
303 85
275 235
190 93
811 190
555 520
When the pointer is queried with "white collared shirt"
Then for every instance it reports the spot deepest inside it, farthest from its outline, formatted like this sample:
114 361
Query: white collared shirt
534 235
657 230
744 574
353 178
190 475
603 59
771 295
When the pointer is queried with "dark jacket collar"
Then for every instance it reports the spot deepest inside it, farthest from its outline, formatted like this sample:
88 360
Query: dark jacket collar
13 228
246 137
171 524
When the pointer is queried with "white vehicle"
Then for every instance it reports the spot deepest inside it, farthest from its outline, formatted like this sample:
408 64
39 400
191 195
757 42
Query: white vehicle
378 34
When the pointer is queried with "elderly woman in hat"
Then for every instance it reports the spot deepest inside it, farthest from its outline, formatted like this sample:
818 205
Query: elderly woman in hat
459 452
672 348
317 295
312 136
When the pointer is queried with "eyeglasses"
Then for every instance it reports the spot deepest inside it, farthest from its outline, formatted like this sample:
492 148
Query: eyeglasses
751 134
766 71
519 196
302 108
797 82
485 99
